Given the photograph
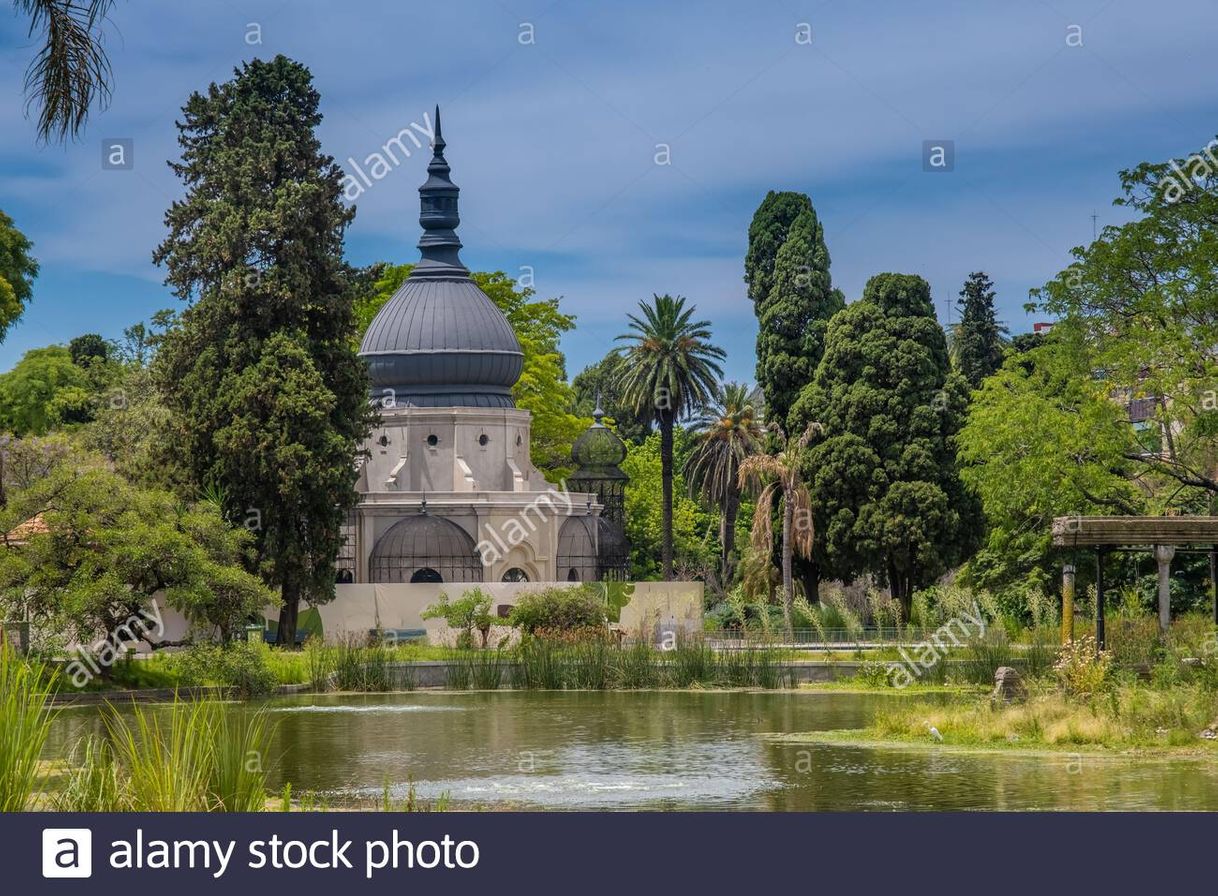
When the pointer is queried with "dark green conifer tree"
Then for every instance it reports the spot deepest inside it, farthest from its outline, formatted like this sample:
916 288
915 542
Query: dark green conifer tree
978 345
267 391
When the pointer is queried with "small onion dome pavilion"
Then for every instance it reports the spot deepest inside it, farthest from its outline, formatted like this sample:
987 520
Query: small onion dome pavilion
597 455
448 492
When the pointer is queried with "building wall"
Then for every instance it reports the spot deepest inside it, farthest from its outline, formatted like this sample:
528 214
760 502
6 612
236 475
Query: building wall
361 608
458 461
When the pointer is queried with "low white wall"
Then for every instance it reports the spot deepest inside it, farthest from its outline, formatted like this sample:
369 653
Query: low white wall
653 606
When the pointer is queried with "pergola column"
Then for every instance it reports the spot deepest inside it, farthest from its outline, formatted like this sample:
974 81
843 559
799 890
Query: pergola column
1067 603
1099 598
1163 556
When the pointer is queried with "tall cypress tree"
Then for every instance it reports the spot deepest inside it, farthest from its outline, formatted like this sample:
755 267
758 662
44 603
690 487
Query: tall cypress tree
269 396
978 344
886 493
794 316
767 233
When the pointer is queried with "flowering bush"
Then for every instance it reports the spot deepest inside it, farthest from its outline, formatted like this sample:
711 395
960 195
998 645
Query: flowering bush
1081 671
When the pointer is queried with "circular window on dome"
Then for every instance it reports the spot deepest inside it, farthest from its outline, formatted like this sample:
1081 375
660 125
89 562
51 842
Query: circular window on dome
433 440
515 574
484 440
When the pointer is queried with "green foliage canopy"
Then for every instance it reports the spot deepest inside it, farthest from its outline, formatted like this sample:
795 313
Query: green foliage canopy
882 471
268 394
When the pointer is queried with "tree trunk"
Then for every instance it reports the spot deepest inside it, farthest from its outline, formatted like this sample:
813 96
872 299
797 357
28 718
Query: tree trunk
727 537
901 586
788 579
289 614
808 572
666 424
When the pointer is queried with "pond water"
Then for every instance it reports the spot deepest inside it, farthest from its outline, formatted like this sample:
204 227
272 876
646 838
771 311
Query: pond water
668 750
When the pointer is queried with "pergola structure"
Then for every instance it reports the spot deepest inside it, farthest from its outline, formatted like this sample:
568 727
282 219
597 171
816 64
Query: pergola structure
1163 535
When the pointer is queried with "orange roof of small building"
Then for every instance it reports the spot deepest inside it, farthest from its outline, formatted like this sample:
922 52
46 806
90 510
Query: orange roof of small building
35 525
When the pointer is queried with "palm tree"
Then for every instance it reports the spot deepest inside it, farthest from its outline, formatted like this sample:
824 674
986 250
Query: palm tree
71 71
780 480
731 432
671 370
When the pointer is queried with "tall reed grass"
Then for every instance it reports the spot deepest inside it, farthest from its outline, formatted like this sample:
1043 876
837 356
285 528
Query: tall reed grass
190 756
592 661
25 722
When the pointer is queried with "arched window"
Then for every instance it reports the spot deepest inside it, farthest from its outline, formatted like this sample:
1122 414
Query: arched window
426 574
515 574
573 575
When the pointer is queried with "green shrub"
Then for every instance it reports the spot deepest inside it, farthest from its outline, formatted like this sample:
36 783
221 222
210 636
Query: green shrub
559 608
874 674
240 665
469 613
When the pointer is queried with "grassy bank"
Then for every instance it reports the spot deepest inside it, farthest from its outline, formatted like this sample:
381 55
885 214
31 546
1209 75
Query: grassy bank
1129 716
1146 693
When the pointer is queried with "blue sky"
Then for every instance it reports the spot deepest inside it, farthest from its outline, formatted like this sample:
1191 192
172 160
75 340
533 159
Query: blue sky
553 141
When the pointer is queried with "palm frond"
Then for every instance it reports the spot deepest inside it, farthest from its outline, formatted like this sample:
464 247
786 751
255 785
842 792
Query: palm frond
70 73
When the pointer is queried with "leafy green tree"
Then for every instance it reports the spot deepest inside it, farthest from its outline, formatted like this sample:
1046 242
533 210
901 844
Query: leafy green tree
469 612
599 383
779 479
882 470
1142 295
87 348
44 390
268 395
70 73
730 433
793 317
131 426
1042 441
105 549
27 461
672 369
17 272
645 516
978 343
542 388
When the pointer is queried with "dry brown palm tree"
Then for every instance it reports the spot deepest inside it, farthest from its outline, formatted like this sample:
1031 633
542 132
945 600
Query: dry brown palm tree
779 479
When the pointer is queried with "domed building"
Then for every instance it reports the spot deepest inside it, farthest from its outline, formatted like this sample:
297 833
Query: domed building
447 490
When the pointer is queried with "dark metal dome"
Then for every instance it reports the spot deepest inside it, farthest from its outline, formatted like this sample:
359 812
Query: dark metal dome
425 543
440 341
598 451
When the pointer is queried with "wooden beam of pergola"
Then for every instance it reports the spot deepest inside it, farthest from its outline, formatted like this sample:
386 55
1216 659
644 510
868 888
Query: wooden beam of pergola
1162 533
1131 531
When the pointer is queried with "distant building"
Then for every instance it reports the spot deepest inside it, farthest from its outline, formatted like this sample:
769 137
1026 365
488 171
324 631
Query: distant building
447 490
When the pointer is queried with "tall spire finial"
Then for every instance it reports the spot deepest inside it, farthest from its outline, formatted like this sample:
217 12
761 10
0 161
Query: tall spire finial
439 218
598 414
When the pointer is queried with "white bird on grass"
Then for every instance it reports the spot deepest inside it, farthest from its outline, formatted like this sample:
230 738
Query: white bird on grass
934 732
